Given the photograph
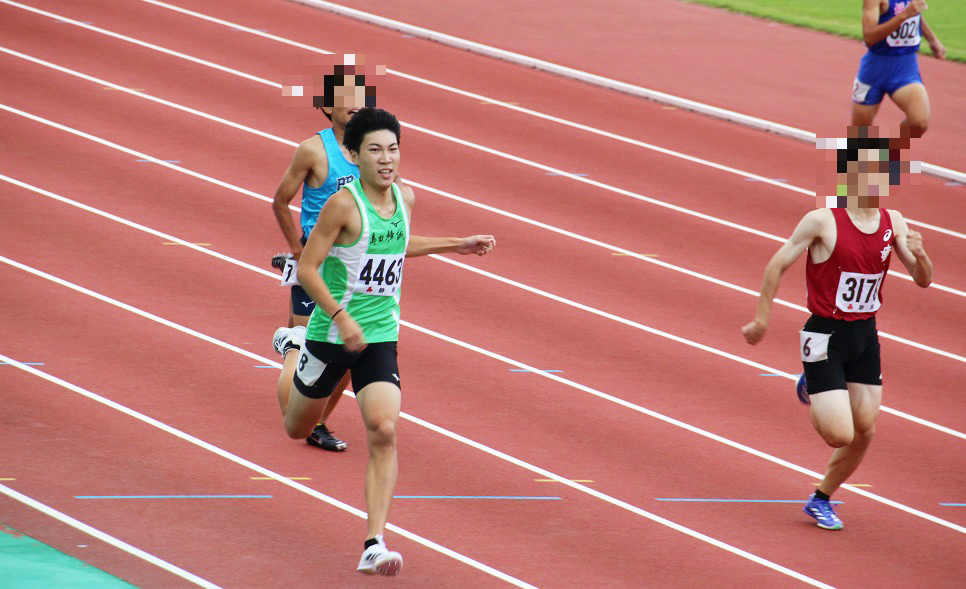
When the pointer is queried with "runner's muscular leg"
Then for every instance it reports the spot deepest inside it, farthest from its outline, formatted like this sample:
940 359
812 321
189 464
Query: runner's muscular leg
379 403
335 397
864 114
302 413
864 401
914 102
831 415
288 365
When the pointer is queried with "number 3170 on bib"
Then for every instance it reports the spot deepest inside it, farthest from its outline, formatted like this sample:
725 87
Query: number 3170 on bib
858 293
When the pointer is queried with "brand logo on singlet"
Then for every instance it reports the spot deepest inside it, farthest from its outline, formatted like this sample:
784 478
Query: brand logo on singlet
885 252
900 6
345 180
887 235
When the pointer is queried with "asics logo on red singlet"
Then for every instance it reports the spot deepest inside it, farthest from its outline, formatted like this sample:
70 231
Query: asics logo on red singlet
887 235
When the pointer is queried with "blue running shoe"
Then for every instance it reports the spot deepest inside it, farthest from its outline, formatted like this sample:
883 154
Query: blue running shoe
800 389
821 510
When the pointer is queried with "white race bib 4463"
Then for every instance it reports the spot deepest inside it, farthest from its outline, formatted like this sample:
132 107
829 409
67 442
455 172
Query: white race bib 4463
379 275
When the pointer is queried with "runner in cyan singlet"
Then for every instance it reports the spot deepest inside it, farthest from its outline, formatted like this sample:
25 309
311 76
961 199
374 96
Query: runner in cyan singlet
849 249
321 167
893 30
352 267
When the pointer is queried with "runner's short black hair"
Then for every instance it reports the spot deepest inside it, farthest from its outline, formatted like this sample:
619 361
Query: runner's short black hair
850 153
337 80
366 121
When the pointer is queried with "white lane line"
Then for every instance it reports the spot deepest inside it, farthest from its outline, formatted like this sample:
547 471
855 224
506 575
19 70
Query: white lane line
604 314
516 364
807 136
345 507
647 259
440 86
650 260
523 161
601 81
102 536
224 453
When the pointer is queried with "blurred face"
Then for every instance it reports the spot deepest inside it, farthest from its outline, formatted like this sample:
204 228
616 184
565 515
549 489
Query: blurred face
347 100
867 178
378 158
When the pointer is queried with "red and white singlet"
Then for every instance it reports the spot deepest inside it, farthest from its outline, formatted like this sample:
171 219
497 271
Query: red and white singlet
848 285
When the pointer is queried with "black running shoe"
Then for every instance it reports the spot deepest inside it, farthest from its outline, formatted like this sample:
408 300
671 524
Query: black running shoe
278 261
323 438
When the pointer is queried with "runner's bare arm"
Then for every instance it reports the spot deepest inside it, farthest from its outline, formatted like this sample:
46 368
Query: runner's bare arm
475 244
334 225
306 155
909 250
938 49
422 246
809 228
873 32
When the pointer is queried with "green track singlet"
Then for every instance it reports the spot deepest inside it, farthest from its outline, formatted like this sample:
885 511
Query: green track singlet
365 277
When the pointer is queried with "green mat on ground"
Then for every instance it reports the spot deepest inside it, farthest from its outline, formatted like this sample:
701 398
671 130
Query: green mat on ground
26 563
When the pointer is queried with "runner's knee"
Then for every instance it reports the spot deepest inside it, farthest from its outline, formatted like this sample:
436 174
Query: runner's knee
864 436
298 431
838 438
382 433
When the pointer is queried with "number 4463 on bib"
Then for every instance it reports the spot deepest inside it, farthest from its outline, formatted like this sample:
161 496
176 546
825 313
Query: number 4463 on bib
379 275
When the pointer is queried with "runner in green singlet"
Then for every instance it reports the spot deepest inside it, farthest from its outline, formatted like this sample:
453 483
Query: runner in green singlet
352 267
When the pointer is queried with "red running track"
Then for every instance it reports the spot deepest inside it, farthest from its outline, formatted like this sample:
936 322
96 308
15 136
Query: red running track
753 66
221 397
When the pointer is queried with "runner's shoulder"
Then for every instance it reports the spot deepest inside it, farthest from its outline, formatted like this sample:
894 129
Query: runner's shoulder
819 218
310 152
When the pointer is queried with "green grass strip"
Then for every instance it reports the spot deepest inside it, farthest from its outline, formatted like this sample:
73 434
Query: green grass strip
947 18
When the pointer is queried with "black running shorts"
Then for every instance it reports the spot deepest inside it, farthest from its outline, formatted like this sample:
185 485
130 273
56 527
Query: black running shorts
322 365
302 303
835 352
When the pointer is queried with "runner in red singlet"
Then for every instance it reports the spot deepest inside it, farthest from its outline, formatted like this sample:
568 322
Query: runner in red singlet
849 250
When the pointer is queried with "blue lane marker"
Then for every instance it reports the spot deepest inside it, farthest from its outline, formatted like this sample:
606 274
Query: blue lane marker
473 497
27 363
172 497
954 504
738 500
152 161
525 370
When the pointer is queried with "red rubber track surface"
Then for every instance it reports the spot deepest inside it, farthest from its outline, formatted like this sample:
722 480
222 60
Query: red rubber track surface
66 445
753 66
